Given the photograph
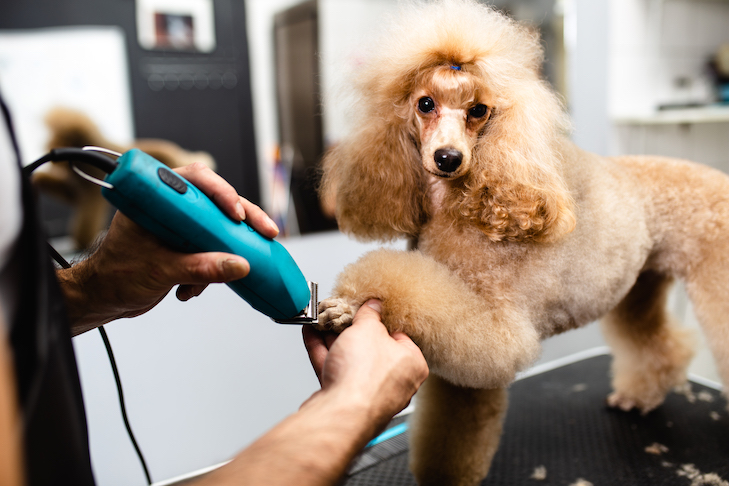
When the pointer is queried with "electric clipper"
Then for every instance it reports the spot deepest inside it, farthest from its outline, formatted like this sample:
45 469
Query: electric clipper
173 209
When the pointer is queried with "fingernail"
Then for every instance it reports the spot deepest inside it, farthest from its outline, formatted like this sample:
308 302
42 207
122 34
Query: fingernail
235 269
241 212
374 304
272 225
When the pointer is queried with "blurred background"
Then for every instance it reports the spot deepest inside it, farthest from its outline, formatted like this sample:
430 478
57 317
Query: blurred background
253 89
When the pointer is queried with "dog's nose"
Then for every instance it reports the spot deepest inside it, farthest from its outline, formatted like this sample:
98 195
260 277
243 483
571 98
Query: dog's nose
448 159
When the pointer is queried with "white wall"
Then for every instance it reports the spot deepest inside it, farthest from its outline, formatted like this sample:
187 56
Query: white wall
654 44
259 27
587 24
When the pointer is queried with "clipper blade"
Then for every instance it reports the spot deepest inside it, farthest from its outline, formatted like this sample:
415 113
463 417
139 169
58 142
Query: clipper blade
310 315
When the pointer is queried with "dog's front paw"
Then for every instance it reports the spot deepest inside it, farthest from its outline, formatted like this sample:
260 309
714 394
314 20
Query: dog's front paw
336 314
627 402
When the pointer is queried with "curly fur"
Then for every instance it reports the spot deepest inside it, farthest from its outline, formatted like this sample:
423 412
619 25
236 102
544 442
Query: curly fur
517 192
520 237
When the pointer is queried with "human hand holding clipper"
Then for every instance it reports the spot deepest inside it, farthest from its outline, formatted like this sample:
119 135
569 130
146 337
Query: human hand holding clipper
187 220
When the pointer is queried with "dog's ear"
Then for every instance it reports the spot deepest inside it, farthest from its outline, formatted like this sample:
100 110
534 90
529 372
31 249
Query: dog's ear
516 190
373 180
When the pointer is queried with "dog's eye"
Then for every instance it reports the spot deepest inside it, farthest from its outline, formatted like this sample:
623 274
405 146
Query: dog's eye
478 111
426 104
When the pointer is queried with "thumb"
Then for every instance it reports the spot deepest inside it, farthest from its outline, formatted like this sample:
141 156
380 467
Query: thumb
375 305
370 312
204 268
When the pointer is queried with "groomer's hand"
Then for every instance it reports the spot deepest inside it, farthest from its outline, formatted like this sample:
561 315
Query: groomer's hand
366 375
367 365
131 271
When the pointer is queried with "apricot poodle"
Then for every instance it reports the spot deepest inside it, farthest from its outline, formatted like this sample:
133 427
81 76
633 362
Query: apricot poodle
517 234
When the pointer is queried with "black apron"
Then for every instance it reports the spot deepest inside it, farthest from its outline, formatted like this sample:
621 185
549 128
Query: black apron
56 444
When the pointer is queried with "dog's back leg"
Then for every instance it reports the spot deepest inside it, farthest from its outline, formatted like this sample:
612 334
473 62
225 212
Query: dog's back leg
708 288
650 352
454 433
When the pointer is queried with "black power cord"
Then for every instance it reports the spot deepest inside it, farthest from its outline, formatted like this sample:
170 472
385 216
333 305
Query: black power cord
107 165
98 160
120 392
123 407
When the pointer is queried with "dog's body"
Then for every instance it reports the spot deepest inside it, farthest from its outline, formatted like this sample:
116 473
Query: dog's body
520 235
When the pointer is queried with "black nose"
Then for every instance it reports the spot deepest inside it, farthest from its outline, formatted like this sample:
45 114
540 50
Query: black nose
448 159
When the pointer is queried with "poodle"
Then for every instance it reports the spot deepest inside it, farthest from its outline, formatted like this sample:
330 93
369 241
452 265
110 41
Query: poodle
71 128
516 234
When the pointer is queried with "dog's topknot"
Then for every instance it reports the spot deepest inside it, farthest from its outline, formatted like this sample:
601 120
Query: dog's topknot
461 33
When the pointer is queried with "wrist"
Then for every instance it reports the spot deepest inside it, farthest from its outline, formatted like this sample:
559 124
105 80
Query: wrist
349 414
78 289
311 447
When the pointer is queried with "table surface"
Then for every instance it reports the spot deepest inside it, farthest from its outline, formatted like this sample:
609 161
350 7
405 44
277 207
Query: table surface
558 421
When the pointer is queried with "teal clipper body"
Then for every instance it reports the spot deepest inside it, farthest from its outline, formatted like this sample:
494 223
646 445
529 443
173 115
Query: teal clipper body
182 216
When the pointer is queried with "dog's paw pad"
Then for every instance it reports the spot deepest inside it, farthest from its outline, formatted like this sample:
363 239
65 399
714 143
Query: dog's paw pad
335 314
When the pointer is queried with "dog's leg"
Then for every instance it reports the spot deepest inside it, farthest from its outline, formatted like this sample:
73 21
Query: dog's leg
454 433
650 352
708 289
465 338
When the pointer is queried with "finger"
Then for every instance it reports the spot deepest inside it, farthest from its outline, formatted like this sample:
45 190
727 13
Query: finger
205 268
329 338
316 349
418 360
187 292
215 187
369 314
258 219
370 310
375 305
401 337
226 198
404 340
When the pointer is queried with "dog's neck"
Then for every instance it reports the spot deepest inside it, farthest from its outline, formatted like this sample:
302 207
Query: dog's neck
437 188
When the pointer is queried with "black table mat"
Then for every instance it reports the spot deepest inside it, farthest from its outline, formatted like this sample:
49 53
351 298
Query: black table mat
559 427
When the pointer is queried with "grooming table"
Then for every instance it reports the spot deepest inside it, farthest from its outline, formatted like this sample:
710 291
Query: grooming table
558 431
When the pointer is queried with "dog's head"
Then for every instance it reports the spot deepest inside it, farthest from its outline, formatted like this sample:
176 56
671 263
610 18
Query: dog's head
451 108
455 91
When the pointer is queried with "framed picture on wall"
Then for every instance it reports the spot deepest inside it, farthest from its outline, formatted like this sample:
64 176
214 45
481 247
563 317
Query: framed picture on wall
176 25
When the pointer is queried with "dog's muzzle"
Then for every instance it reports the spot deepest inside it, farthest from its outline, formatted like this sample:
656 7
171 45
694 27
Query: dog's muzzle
448 159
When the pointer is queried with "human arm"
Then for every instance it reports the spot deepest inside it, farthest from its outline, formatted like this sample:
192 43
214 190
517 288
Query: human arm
131 270
366 377
11 470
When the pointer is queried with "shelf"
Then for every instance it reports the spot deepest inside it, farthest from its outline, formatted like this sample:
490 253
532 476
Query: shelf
707 114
